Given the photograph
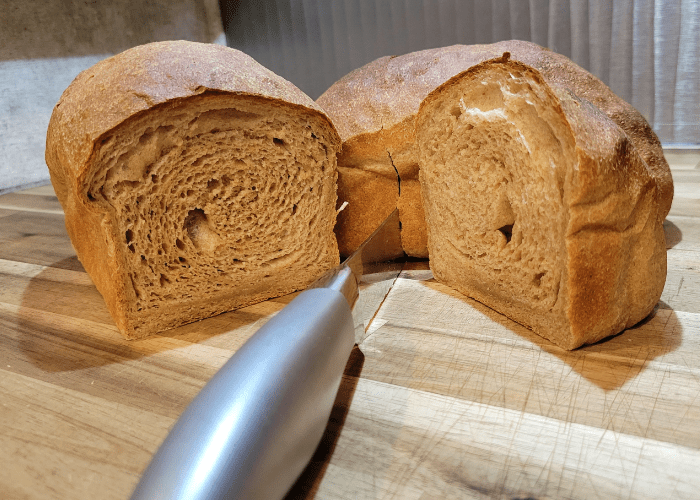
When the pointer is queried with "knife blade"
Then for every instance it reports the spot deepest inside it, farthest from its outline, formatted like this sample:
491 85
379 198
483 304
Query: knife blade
254 427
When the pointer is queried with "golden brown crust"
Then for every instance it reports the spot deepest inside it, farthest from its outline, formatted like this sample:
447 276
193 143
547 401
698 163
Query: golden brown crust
372 105
615 240
385 92
119 91
371 198
410 204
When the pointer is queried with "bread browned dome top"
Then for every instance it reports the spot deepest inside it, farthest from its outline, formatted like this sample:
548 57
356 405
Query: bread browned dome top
384 92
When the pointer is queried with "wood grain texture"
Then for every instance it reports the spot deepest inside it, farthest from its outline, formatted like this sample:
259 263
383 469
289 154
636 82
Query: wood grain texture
31 203
445 398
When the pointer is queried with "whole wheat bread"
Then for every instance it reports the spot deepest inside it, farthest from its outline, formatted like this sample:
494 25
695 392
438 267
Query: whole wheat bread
374 109
194 181
539 205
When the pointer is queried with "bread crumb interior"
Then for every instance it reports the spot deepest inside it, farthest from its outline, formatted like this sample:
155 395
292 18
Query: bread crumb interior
223 196
495 153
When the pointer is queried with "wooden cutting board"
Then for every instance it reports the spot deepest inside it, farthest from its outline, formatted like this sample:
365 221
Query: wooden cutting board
445 399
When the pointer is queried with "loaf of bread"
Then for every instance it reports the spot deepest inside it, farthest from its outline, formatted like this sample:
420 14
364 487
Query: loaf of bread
538 203
194 181
374 109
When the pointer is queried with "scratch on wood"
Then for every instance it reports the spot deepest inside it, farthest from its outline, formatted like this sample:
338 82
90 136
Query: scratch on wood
680 284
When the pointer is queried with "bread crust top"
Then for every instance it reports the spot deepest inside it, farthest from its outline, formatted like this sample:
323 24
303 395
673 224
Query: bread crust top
389 91
119 87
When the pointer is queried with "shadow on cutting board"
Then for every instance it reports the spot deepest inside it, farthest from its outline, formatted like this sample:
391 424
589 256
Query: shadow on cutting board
307 484
673 234
64 325
612 362
66 337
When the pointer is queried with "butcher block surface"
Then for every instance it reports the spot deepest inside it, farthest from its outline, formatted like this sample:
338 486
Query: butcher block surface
444 399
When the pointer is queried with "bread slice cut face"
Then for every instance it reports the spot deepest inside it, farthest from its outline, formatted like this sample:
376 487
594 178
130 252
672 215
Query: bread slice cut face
201 203
538 205
214 203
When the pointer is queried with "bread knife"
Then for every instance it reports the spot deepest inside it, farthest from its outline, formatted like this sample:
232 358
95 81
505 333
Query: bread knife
255 425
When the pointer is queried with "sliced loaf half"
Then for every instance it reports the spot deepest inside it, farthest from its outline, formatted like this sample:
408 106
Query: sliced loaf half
539 205
194 181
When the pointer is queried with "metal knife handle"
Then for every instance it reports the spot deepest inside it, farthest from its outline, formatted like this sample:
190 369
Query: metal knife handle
254 427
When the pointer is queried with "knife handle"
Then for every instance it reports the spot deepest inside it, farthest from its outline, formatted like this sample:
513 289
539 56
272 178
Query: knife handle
254 427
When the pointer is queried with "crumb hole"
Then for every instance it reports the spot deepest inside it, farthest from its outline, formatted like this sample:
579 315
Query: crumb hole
507 231
456 111
203 237
278 142
180 244
129 240
195 218
537 280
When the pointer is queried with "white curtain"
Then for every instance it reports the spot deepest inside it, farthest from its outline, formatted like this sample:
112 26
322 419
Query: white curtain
648 51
